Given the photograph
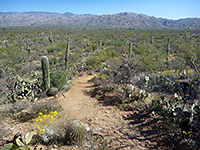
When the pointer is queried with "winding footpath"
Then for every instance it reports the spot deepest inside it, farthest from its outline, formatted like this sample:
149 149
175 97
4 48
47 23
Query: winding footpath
122 134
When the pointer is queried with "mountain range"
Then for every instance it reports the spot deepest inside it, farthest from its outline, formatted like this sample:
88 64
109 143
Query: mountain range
124 19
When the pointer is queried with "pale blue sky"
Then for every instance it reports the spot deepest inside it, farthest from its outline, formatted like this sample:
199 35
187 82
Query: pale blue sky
171 9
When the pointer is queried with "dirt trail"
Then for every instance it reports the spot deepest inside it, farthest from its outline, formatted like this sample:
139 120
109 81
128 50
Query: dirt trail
108 120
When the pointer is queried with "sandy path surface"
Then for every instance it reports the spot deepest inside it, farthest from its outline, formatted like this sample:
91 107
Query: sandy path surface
123 134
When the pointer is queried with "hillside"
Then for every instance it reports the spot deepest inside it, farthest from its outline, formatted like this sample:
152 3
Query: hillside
125 19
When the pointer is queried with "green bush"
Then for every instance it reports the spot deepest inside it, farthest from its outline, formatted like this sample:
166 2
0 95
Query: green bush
106 54
58 79
93 61
53 49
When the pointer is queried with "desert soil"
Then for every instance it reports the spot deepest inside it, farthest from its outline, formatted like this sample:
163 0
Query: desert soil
124 130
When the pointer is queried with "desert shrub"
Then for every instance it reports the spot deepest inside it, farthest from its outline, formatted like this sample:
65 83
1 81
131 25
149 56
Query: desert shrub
26 110
61 45
44 107
93 61
53 49
120 83
147 55
170 74
53 61
58 79
11 57
46 131
106 54
93 47
76 57
12 109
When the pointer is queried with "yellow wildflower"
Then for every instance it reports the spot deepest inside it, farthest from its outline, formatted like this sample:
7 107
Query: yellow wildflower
109 70
54 113
103 76
43 130
184 132
37 120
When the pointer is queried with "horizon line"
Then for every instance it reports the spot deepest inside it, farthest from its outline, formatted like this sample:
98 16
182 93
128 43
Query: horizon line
96 14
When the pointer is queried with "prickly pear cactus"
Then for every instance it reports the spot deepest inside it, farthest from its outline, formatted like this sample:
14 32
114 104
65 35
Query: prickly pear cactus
45 72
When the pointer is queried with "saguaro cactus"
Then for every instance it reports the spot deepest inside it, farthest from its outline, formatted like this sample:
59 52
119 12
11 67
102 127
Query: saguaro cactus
27 48
100 45
168 51
152 40
45 72
130 50
50 37
67 53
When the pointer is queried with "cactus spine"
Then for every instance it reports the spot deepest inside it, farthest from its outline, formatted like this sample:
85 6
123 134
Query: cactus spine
45 72
130 49
67 53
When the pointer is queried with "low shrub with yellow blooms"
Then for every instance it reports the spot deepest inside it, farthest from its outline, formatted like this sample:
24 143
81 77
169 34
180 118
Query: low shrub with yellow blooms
41 120
186 133
103 76
169 72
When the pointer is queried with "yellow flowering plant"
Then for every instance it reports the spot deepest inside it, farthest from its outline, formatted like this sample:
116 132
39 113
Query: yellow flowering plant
42 119
169 72
187 133
103 76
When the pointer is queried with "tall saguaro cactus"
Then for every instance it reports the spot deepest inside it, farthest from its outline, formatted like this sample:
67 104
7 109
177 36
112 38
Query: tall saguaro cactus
45 72
67 53
50 37
100 45
130 50
27 48
168 51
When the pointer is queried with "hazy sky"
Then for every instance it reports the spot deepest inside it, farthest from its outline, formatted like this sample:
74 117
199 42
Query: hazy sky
171 9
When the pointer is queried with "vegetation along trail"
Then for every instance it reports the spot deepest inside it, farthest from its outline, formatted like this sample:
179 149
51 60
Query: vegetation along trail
121 133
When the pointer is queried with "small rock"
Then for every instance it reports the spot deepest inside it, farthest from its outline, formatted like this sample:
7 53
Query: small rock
52 91
55 146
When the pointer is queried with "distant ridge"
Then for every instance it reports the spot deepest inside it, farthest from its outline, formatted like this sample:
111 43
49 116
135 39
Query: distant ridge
124 19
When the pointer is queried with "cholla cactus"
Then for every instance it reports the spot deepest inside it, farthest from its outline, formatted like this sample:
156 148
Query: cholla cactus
45 72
